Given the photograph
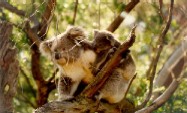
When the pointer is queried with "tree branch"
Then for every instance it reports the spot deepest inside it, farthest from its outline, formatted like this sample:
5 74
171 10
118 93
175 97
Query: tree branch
53 75
15 10
11 8
75 12
32 35
103 75
119 19
130 84
156 59
46 18
172 68
161 99
160 10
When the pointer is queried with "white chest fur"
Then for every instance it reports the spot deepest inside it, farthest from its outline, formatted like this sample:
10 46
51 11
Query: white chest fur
80 69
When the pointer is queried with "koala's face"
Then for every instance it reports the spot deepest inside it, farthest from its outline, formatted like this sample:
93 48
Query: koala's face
64 48
103 40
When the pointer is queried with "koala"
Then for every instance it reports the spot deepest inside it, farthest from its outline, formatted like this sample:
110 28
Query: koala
117 84
104 45
74 55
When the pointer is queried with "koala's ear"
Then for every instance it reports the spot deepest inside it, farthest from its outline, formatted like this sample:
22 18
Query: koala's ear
111 39
76 33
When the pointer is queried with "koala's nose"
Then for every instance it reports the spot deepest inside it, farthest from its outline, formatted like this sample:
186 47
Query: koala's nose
57 56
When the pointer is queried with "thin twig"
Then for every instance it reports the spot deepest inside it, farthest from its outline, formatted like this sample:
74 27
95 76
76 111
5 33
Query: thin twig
25 98
103 75
99 18
160 10
130 84
28 82
156 59
53 75
75 12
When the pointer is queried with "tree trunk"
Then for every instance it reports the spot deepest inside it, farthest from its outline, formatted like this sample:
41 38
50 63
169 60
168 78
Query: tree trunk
8 69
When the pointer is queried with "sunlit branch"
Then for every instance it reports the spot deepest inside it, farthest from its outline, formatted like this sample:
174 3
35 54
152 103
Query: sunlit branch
160 43
119 19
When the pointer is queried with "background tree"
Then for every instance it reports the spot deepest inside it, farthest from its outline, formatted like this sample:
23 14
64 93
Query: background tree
37 20
8 69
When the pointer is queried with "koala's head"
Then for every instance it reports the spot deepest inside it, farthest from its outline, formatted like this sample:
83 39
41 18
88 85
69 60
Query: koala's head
65 47
104 40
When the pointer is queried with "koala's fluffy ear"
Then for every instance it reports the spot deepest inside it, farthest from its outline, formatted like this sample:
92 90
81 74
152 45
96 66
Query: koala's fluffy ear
77 33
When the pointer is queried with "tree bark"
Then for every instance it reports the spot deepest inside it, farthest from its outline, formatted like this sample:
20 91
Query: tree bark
8 69
83 105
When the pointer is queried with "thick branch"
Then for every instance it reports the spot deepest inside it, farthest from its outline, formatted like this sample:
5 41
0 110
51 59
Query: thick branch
46 18
11 8
119 19
17 11
155 61
32 35
103 75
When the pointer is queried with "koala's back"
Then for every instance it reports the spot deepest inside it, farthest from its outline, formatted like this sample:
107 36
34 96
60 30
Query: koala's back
114 89
117 84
